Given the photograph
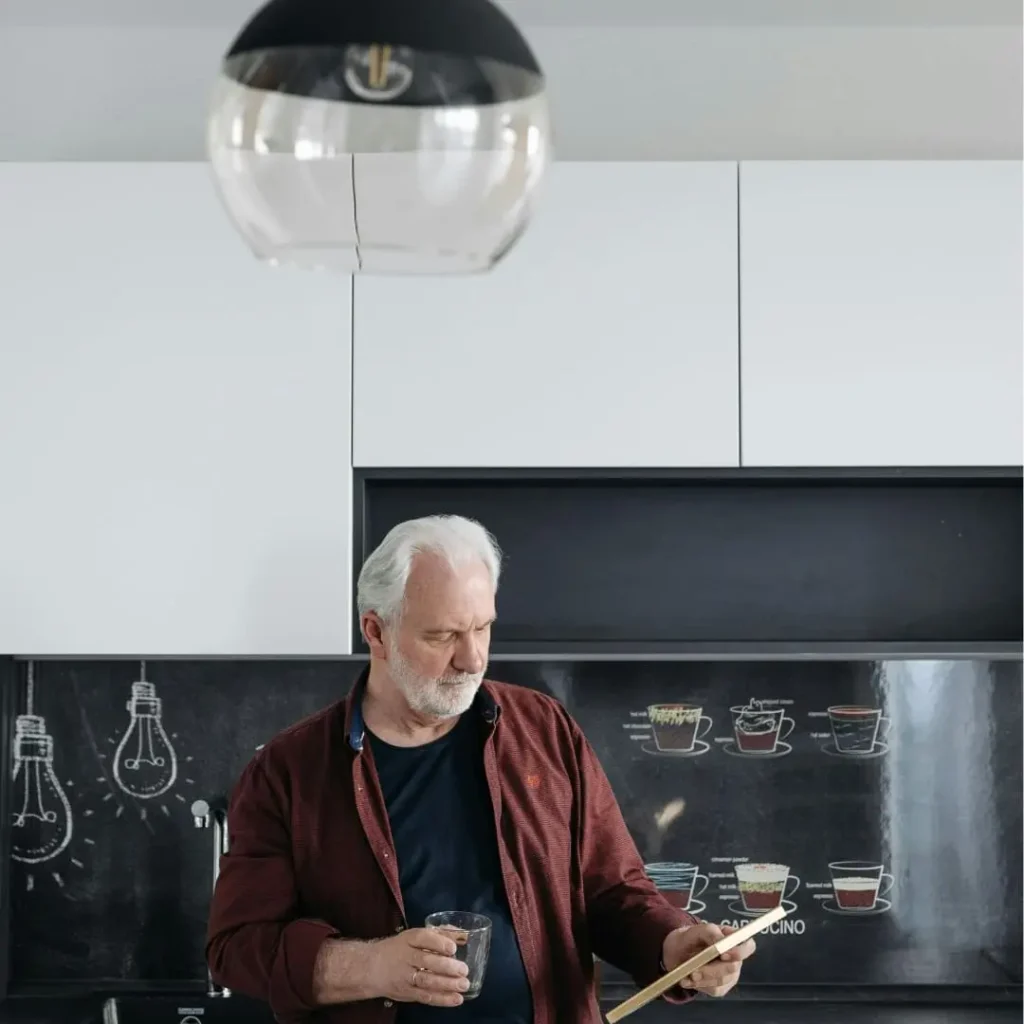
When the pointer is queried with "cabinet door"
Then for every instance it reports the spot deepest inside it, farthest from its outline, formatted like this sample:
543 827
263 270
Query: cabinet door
608 336
174 425
881 314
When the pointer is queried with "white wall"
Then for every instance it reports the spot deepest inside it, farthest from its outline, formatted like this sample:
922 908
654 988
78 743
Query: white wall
675 93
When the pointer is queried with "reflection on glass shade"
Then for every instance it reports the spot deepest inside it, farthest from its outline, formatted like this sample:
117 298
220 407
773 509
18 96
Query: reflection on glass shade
422 155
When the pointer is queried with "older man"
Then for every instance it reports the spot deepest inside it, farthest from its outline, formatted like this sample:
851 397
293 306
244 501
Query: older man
431 789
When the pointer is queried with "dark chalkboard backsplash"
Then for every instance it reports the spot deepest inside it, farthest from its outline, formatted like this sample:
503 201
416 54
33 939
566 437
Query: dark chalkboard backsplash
880 800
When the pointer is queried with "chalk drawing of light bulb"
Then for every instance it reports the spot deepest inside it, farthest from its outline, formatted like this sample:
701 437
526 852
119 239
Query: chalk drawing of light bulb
43 825
145 764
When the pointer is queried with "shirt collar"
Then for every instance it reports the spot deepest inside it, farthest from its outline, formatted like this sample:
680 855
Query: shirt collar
485 704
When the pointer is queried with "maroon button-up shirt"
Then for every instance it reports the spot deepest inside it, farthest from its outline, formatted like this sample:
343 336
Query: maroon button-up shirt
311 858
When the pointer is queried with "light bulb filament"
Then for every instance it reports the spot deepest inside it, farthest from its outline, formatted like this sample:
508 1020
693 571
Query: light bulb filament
144 754
380 58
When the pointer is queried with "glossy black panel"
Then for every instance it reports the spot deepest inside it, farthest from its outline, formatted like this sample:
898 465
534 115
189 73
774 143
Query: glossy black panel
126 899
910 769
8 709
619 562
885 798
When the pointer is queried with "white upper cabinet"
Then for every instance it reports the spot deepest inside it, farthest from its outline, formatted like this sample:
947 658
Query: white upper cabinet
607 338
174 425
881 314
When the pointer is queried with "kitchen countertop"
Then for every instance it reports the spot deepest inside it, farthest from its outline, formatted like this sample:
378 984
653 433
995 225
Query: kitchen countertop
88 1010
726 1012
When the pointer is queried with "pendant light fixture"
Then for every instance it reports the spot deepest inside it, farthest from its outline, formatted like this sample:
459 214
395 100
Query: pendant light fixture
380 136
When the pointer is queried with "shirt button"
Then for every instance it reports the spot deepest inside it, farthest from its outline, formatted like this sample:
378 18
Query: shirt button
388 1003
399 929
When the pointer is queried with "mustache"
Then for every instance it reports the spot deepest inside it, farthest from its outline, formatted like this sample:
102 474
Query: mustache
461 678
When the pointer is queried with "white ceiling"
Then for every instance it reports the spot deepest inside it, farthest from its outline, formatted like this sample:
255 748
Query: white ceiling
583 13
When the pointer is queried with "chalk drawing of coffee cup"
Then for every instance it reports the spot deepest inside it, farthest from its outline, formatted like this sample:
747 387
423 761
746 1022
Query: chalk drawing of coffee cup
858 731
759 731
677 730
858 887
680 883
764 887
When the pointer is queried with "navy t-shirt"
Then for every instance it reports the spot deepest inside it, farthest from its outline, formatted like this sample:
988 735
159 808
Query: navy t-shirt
442 821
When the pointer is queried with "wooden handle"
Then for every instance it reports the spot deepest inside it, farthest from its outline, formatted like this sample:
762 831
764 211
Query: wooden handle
705 956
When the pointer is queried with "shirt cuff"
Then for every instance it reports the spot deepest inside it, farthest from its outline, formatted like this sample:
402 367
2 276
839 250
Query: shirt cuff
659 926
291 988
676 994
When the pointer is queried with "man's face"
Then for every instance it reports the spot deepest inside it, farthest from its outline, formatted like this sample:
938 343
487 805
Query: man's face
437 654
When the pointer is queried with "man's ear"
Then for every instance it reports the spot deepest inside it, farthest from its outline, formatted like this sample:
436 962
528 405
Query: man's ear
372 627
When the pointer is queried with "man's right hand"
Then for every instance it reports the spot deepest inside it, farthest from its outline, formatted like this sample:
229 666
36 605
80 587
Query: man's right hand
415 966
418 966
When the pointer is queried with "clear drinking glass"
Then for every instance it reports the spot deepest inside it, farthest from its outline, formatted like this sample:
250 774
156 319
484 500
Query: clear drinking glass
472 936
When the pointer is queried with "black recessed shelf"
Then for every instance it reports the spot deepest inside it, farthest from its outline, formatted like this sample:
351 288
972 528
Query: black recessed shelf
735 563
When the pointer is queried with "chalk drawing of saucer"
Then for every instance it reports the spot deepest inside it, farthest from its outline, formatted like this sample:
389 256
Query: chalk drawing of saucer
880 907
781 750
856 755
696 907
700 747
737 908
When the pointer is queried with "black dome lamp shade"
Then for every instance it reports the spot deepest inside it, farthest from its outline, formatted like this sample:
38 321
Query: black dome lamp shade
380 136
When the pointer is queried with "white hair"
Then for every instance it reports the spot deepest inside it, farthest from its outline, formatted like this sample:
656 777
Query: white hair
385 572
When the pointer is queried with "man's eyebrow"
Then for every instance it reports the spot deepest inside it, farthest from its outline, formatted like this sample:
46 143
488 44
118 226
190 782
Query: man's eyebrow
455 629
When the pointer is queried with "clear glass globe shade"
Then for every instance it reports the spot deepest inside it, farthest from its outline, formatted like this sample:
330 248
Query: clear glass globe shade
375 159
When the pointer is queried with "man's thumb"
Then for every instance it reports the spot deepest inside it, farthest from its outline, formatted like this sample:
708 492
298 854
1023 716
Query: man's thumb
711 933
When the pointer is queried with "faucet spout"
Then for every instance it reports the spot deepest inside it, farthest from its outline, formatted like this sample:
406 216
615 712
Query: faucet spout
215 818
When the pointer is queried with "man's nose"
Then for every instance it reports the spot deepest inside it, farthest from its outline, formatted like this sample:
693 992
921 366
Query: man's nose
469 654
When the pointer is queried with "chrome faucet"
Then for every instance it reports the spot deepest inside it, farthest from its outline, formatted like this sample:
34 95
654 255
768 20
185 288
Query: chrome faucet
216 817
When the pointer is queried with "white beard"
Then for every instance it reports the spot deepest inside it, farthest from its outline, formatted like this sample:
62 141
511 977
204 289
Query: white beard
447 697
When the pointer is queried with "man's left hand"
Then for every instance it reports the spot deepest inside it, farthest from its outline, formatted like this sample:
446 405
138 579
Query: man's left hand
716 978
